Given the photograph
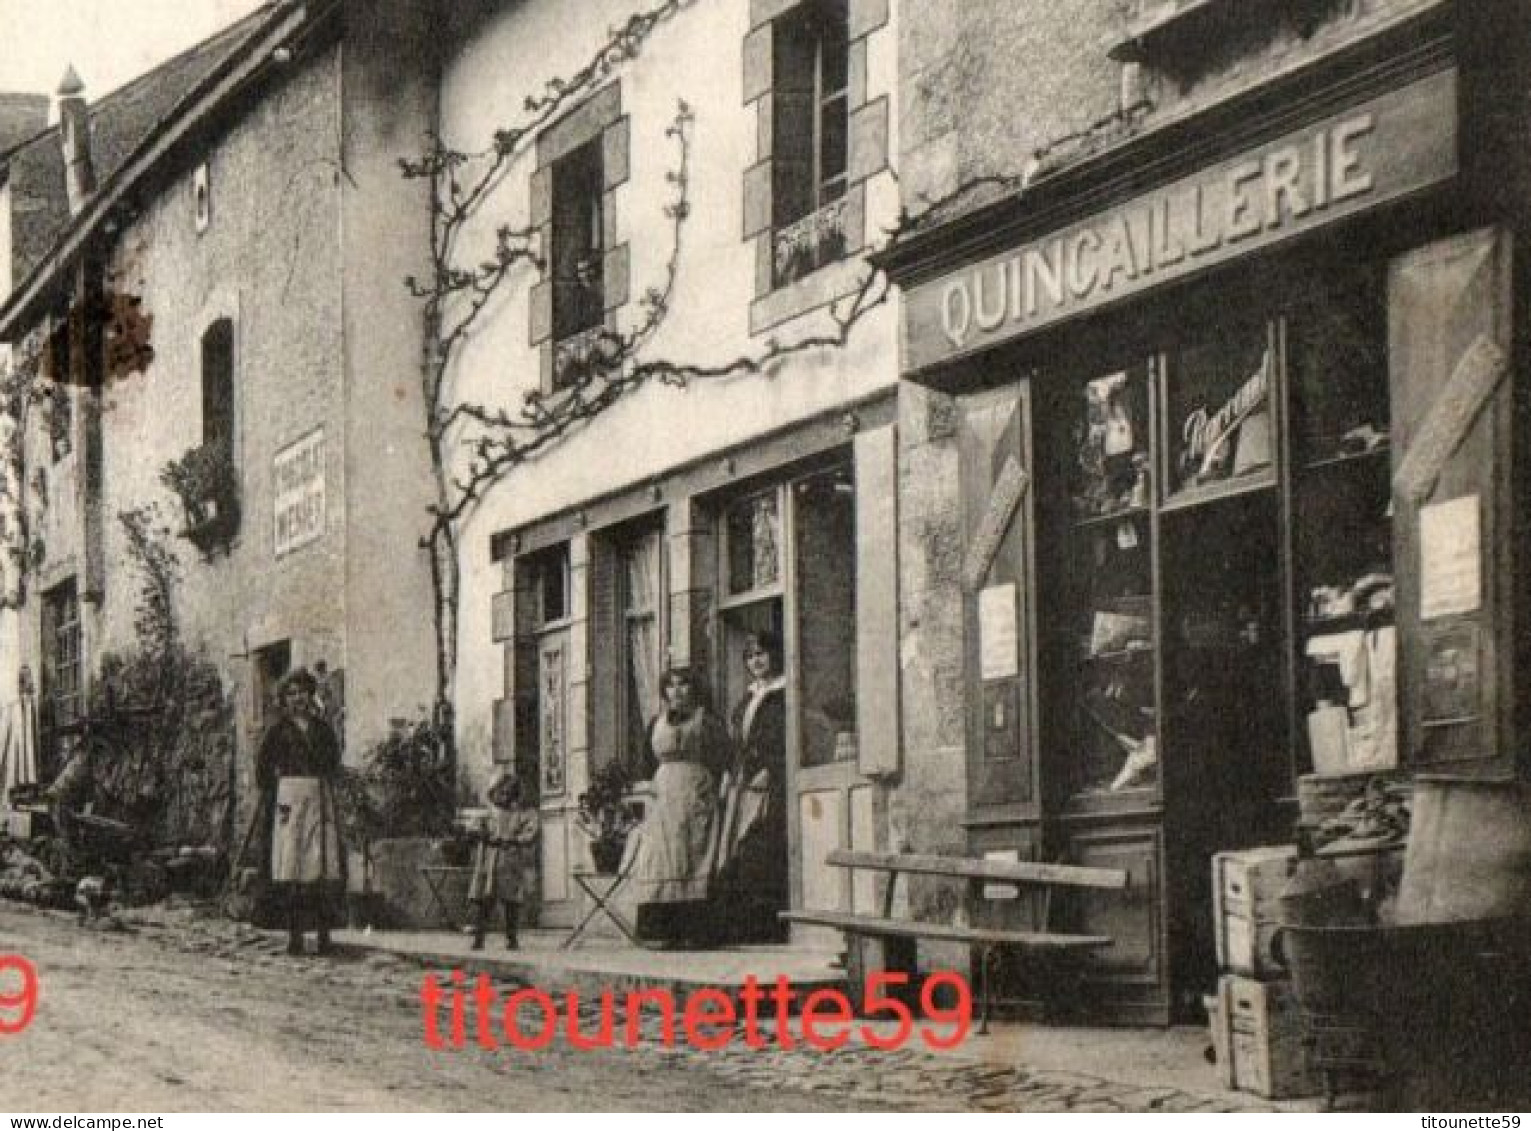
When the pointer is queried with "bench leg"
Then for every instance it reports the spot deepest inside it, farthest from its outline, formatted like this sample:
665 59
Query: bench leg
988 964
866 955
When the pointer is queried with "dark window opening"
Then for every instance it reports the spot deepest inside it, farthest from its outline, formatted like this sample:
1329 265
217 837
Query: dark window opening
549 584
62 667
810 137
578 259
218 386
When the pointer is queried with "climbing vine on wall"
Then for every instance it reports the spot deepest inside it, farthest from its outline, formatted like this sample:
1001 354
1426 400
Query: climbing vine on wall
474 446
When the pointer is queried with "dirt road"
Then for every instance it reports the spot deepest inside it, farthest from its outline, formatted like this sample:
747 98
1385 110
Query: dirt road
176 1016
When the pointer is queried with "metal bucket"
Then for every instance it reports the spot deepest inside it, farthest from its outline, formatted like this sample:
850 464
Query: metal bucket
1469 854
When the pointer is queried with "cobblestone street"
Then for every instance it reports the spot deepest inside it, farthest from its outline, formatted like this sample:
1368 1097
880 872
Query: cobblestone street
182 1013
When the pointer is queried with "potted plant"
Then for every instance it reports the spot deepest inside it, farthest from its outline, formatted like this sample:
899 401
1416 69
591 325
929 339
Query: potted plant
207 484
607 815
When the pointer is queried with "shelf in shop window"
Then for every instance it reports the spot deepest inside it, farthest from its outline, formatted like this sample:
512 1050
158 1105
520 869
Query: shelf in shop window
1349 459
1346 622
1118 655
1124 515
1190 497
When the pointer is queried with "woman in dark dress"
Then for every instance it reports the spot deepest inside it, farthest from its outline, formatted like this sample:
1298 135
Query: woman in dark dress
751 879
295 769
672 861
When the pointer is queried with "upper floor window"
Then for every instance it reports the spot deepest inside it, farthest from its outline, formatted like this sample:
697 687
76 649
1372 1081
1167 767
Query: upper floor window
218 386
810 137
578 241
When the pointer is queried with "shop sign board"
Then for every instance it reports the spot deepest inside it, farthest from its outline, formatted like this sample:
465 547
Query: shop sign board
1380 150
297 475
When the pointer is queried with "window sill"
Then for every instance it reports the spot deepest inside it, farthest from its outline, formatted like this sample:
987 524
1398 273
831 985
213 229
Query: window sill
813 291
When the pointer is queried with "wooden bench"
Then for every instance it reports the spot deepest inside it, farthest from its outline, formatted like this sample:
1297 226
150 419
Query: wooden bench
896 939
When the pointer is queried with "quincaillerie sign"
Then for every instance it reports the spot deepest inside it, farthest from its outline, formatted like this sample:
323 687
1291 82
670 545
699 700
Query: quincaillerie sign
297 474
1381 150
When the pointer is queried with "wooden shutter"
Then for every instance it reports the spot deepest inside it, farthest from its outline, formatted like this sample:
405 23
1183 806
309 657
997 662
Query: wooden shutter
1449 342
995 440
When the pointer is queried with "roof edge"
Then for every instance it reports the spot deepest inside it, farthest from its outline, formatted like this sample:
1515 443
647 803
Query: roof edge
27 300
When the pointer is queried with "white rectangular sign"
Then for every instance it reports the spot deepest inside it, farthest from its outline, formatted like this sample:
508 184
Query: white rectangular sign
297 475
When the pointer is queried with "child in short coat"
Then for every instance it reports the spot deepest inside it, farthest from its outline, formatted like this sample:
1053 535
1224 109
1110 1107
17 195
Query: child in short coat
504 851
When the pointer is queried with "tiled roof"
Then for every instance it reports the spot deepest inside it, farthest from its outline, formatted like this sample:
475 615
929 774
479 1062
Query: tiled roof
120 122
21 116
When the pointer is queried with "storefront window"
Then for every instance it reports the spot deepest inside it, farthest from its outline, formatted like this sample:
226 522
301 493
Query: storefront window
754 543
1108 562
1112 443
1218 418
1343 482
824 510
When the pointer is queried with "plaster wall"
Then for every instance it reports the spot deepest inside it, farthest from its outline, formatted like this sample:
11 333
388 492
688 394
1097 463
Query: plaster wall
270 261
988 83
697 57
985 85
388 77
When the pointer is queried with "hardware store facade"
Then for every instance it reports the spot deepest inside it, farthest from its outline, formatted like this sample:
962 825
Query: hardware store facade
1234 403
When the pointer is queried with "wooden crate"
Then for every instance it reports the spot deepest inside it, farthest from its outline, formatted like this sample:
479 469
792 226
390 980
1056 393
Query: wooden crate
1268 1043
1245 888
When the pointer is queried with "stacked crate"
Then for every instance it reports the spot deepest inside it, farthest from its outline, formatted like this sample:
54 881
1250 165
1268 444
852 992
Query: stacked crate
1257 1028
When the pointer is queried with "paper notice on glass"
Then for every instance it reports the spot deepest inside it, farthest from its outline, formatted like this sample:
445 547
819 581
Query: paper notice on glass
1002 891
1450 558
998 650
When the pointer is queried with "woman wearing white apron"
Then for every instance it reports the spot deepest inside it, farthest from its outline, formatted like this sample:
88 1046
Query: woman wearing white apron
295 769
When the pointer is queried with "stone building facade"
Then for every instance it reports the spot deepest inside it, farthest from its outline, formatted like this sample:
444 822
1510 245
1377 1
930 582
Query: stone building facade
1178 280
664 530
244 200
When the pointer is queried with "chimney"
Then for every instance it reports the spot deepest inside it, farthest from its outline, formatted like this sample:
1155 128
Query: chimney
74 134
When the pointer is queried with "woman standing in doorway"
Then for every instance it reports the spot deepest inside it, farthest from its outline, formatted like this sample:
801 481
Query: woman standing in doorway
751 879
295 769
673 858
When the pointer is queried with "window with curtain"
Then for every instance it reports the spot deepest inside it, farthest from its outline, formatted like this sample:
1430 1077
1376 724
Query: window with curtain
642 581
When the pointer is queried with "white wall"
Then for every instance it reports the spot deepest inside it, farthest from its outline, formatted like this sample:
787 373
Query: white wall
697 57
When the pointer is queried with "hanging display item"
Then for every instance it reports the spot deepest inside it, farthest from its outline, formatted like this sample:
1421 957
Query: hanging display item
1113 462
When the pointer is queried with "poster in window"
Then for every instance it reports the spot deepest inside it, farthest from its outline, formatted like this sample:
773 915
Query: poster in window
998 645
1450 558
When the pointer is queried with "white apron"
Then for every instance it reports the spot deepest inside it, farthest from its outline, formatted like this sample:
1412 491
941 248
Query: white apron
305 846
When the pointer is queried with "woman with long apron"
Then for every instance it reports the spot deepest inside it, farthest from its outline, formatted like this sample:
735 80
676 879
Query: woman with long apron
295 770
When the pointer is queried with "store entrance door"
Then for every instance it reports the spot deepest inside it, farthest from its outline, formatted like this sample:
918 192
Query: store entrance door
789 572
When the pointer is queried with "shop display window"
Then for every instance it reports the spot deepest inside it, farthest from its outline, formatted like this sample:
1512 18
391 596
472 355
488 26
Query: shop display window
1218 422
754 543
1347 691
1108 561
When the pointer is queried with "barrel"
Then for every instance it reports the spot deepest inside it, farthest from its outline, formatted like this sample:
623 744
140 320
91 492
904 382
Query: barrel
1446 1003
1469 854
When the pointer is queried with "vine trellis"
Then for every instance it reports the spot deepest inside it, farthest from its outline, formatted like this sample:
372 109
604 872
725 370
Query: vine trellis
473 447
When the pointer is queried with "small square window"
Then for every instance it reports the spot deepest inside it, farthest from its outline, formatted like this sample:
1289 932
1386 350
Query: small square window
202 197
753 528
548 585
